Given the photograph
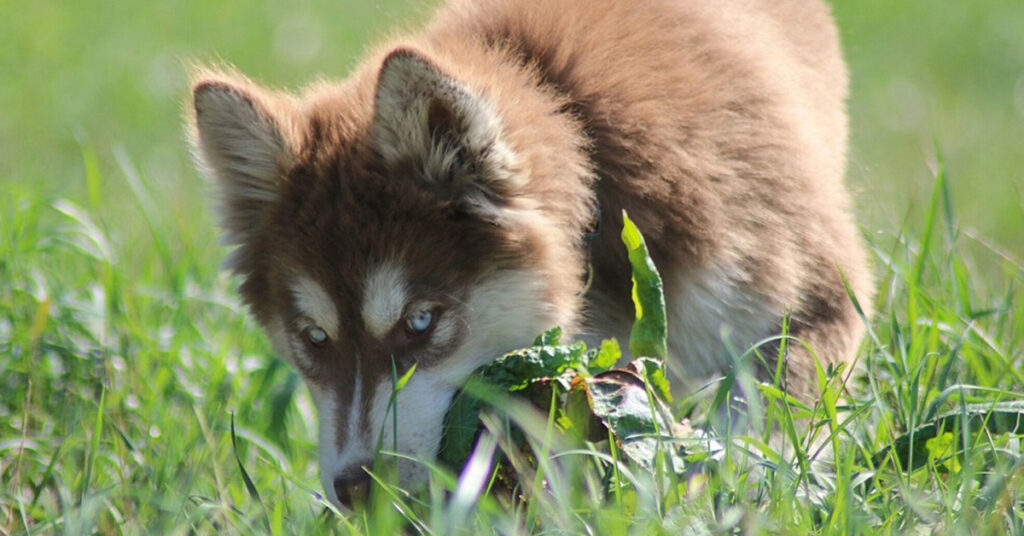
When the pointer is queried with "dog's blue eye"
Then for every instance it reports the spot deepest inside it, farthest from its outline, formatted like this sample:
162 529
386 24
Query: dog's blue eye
420 321
316 335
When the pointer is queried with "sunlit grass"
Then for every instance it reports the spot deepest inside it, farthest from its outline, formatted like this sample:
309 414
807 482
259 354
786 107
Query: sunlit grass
139 398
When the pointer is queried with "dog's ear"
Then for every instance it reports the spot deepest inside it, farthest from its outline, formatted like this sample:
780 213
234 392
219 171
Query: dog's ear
243 138
448 133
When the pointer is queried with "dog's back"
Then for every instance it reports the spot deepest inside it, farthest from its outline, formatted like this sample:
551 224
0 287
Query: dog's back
721 128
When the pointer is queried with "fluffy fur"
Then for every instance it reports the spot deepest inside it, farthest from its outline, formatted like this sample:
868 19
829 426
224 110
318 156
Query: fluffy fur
465 163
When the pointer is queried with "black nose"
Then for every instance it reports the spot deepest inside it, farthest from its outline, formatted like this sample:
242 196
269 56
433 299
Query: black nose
353 487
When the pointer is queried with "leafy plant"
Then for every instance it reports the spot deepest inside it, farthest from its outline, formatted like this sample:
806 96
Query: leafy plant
626 408
588 399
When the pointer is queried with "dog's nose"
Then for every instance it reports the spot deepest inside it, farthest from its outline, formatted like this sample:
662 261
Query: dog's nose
352 488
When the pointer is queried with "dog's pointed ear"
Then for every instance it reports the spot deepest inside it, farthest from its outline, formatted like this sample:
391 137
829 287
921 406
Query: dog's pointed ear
450 134
242 136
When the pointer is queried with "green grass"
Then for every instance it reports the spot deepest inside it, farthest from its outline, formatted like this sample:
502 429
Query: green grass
125 356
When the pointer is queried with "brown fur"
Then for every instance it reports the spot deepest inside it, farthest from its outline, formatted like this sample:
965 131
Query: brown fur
719 126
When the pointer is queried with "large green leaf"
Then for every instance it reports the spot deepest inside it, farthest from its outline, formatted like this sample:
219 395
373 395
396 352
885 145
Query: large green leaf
462 422
648 337
911 449
512 372
545 359
641 425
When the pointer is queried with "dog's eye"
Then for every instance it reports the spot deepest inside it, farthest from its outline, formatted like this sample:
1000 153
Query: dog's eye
316 335
420 321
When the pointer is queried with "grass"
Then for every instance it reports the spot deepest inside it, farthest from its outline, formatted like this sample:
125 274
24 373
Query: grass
156 406
138 398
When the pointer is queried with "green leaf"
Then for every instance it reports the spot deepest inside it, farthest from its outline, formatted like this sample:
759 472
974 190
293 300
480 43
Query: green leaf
654 372
93 177
462 422
648 337
250 486
942 451
515 370
641 427
913 447
577 417
512 372
551 337
405 378
606 357
94 445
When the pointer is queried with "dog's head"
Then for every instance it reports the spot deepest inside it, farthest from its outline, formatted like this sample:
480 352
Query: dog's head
379 225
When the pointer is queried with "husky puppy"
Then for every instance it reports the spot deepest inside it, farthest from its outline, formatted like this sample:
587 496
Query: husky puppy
432 208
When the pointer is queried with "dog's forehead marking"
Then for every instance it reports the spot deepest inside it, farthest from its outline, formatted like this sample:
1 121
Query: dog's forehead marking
384 297
313 301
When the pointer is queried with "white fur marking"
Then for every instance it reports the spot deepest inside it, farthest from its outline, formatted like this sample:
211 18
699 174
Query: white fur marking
315 303
707 308
330 459
444 330
384 298
356 449
352 434
420 407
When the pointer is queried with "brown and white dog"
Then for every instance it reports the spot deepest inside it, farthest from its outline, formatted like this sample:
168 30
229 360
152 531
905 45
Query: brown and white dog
431 209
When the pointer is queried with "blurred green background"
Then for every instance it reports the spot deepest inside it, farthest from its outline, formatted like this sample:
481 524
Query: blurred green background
109 78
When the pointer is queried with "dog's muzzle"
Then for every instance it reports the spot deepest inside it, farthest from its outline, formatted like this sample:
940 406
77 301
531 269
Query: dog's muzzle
353 487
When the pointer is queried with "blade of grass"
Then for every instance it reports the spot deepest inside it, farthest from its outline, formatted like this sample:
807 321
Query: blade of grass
149 211
94 447
93 177
250 487
930 219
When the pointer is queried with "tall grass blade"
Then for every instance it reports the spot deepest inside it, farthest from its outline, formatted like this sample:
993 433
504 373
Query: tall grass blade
250 486
93 177
94 447
148 207
938 194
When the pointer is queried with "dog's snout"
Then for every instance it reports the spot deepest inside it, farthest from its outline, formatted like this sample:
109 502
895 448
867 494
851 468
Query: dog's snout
353 487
